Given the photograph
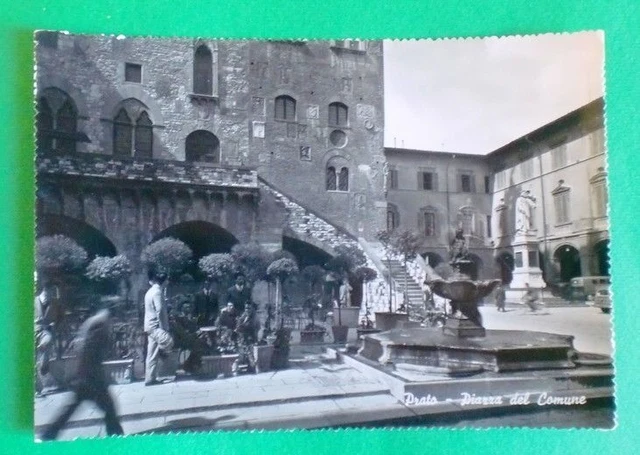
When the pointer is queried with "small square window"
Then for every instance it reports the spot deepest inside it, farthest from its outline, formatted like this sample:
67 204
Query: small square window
133 72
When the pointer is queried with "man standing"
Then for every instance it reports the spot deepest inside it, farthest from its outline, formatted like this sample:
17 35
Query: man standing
156 326
206 306
43 331
239 294
90 382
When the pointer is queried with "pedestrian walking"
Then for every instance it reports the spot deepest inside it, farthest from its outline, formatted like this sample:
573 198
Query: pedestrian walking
90 382
501 298
156 326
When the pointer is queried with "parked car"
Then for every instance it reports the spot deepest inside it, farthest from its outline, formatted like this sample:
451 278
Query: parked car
584 287
602 299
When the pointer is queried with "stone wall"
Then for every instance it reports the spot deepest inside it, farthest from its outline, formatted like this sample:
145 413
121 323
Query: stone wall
247 77
105 166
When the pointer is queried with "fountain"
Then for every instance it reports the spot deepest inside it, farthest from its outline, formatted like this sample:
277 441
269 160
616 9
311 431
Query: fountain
463 359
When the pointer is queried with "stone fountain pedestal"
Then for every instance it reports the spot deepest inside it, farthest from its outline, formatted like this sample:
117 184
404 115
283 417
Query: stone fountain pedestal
496 350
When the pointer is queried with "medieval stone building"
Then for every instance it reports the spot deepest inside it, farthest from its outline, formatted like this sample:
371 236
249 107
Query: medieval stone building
213 142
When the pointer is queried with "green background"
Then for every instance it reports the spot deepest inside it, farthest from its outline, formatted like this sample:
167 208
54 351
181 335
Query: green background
315 19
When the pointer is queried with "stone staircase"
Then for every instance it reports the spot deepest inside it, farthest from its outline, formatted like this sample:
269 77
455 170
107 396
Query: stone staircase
413 288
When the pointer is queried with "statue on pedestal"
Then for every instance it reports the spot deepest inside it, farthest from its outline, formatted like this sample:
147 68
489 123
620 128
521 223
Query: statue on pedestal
525 207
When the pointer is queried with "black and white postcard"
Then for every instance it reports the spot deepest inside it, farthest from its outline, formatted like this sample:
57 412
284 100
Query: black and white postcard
245 235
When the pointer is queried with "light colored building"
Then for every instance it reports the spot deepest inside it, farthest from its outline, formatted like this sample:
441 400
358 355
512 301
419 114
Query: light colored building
433 193
562 164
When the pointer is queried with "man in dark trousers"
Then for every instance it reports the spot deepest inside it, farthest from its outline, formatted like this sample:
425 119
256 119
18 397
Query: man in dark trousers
239 294
90 382
206 306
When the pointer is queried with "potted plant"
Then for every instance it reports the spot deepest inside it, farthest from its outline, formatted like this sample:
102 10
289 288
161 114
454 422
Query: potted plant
221 361
167 255
366 326
279 270
342 272
312 332
107 272
263 350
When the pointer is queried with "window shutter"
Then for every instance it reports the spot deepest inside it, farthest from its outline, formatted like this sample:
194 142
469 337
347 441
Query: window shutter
435 181
472 179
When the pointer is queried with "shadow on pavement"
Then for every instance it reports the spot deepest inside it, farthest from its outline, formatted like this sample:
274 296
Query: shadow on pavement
189 423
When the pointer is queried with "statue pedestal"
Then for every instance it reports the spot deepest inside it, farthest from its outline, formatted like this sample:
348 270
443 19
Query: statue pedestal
527 267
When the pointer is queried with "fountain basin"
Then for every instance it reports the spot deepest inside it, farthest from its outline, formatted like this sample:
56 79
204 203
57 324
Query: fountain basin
497 350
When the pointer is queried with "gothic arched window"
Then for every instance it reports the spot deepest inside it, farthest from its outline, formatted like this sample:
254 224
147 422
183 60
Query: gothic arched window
122 134
144 136
44 125
133 130
57 122
202 146
203 71
285 108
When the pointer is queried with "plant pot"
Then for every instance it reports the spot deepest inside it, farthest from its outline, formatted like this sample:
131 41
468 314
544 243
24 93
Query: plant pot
63 370
263 355
346 316
387 321
119 371
281 347
312 336
168 366
340 333
216 365
364 332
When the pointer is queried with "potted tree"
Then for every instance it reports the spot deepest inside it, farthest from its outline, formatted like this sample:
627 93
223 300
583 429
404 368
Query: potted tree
263 350
341 272
219 268
312 332
279 270
107 273
366 275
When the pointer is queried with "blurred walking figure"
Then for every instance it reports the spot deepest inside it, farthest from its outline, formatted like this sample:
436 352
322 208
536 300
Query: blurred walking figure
156 326
501 298
90 382
530 298
44 333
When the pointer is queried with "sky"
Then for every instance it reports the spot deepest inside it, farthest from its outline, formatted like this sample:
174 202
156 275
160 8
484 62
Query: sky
476 95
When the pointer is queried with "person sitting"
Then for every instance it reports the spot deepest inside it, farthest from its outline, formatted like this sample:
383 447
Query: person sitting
247 330
226 326
187 336
239 294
